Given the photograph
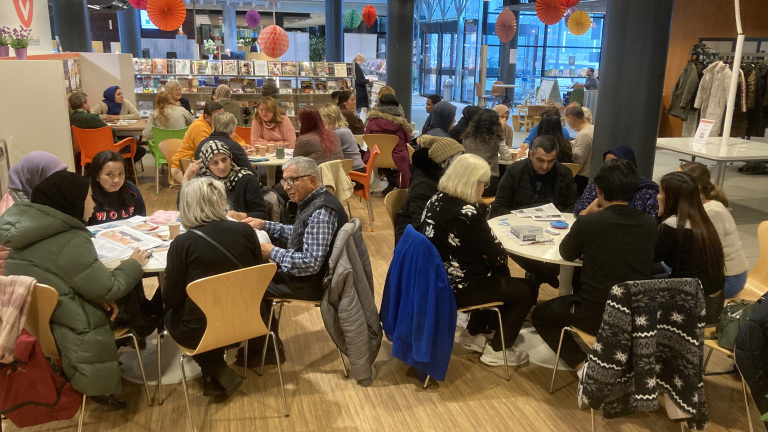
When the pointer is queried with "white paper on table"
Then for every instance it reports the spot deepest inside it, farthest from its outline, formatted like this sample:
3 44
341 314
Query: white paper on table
544 241
130 238
109 251
540 213
703 131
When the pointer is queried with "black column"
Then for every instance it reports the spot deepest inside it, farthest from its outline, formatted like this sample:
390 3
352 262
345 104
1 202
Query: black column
280 19
334 31
400 51
129 24
506 70
70 18
634 57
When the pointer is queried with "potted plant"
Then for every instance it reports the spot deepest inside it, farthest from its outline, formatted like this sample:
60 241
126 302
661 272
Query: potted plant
209 47
20 42
5 40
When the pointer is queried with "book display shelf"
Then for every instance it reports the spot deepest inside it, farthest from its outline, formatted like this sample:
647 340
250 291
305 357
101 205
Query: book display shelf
376 71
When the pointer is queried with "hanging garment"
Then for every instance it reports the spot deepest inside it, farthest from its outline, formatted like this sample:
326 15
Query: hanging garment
712 96
684 93
739 123
758 113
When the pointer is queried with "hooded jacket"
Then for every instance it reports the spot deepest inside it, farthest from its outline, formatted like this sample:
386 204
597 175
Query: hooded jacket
425 174
388 120
56 250
442 116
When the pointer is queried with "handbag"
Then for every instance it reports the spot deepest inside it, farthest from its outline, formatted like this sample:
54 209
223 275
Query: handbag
734 315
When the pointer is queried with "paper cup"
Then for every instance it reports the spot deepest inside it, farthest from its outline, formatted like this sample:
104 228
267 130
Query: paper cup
174 228
262 150
270 148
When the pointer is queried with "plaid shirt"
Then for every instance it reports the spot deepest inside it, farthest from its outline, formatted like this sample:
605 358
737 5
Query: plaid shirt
317 242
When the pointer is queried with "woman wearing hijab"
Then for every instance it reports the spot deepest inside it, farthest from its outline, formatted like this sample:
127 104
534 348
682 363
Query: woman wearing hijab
468 113
503 111
243 188
431 101
22 178
50 242
223 94
442 118
115 107
646 196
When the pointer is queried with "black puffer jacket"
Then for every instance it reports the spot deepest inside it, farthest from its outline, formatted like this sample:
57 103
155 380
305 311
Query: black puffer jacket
425 174
517 185
752 354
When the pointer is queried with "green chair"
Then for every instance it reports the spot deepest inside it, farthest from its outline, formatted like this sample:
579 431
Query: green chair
577 95
160 135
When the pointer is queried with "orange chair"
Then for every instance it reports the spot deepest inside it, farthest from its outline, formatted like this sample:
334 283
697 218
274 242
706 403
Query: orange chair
365 180
93 141
244 133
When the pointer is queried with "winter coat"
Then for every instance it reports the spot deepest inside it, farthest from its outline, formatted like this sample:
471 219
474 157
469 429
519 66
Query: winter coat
425 174
516 188
713 94
388 121
56 249
684 93
349 306
751 351
10 198
361 87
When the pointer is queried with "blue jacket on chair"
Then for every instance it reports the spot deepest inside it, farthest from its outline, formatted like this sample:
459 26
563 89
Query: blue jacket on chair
418 310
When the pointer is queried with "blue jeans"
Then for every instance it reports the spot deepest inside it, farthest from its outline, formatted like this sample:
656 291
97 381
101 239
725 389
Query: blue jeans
734 284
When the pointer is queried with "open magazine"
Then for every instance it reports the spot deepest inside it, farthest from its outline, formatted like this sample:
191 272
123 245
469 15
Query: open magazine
118 243
547 212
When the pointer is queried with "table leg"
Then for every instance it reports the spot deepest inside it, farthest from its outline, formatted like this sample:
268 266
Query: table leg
271 170
720 173
566 276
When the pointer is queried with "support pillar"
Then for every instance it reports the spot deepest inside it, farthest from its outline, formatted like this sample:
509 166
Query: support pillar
334 31
280 19
508 70
229 26
635 44
70 19
129 25
400 21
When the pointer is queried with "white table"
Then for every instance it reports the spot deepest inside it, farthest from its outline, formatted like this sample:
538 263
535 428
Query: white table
271 166
736 150
546 253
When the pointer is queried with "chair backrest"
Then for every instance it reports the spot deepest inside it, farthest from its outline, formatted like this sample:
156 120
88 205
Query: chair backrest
394 202
360 140
93 141
38 324
160 135
184 164
410 151
346 164
757 280
365 179
575 168
496 90
169 147
385 143
244 133
231 302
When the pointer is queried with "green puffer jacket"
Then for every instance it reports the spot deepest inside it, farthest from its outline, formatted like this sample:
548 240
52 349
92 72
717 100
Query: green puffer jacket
56 249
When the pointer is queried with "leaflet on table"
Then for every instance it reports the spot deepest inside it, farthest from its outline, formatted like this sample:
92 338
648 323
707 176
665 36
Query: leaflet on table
545 241
138 223
547 212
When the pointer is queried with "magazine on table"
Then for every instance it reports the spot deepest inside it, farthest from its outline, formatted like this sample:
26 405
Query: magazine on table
547 212
118 243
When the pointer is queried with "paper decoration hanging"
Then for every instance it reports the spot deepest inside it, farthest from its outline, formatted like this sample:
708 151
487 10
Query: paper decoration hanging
138 4
568 13
352 18
253 18
550 12
569 3
167 15
579 23
273 41
506 25
369 15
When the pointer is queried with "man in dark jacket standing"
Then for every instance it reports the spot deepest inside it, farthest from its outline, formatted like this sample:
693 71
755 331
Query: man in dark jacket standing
361 84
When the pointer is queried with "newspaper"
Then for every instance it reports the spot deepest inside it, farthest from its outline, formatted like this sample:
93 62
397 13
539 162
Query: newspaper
118 243
547 212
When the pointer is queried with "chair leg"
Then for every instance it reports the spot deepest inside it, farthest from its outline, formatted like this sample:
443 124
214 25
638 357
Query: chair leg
706 361
160 336
266 342
557 362
503 345
592 414
141 367
370 214
245 360
82 416
279 372
157 180
349 209
186 391
426 383
746 399
343 363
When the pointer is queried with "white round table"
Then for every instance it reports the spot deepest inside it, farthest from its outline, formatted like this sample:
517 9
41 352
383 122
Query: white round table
549 253
271 166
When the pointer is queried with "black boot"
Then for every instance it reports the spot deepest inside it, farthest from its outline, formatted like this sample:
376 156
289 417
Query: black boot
254 354
109 401
228 380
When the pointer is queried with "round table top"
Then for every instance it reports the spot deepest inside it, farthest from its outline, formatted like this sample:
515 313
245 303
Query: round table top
546 253
273 161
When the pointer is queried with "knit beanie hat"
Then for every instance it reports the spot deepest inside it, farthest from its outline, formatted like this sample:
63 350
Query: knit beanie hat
440 148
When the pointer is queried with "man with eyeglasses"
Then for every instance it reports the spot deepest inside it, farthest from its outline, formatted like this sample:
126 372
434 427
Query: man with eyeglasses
301 251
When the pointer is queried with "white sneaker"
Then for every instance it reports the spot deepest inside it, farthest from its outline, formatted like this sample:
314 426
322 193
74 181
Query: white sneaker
496 358
580 371
473 343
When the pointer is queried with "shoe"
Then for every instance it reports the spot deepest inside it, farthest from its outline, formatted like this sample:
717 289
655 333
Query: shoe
496 358
228 380
388 189
474 343
211 387
109 401
254 356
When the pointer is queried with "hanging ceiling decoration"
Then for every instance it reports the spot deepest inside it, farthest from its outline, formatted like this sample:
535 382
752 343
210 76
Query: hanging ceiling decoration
352 18
273 41
167 15
569 3
369 15
138 4
568 13
506 25
550 12
579 23
253 18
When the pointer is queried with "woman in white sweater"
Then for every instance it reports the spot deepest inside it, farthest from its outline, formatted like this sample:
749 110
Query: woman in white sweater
167 115
115 107
716 206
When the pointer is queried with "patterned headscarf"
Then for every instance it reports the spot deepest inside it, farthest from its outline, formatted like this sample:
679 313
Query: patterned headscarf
215 147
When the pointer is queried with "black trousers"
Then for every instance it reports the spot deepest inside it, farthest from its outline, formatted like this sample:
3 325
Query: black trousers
544 272
518 297
550 317
581 183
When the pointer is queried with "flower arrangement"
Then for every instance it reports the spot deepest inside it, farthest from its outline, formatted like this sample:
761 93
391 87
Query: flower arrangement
20 37
5 36
209 46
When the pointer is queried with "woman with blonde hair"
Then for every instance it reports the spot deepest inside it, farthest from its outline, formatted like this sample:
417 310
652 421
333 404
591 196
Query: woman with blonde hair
271 126
476 261
174 89
166 115
716 205
335 121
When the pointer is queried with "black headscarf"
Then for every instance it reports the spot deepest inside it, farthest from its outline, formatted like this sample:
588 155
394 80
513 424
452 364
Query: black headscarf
64 191
626 153
469 112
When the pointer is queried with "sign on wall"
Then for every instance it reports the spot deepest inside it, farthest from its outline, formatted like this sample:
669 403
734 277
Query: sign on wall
31 14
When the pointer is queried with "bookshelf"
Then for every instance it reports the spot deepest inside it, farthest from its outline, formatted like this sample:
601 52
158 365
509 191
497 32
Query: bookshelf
299 83
375 70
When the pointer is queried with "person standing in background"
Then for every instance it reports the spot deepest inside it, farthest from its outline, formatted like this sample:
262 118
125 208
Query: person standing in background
592 83
361 85
582 145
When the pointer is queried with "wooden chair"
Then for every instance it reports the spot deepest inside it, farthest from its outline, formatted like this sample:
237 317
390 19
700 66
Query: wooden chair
394 202
482 99
244 133
158 136
575 168
229 301
346 164
184 163
365 180
488 202
497 93
93 141
360 141
169 148
757 279
386 144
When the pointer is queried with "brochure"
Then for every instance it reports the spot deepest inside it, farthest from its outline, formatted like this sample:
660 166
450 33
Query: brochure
547 212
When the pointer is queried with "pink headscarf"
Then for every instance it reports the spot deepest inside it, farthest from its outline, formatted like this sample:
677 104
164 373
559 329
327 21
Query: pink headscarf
33 169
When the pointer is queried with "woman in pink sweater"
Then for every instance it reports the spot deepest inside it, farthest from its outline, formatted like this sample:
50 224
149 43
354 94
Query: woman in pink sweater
270 126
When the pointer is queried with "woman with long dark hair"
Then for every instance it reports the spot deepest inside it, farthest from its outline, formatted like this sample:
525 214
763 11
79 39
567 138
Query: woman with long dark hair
467 114
550 125
116 198
485 138
315 140
687 241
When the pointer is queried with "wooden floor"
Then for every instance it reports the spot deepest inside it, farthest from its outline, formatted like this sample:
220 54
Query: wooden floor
473 396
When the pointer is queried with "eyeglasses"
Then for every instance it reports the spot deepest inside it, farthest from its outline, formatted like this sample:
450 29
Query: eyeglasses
486 185
292 180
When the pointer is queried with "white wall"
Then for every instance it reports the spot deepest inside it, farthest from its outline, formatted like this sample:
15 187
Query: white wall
298 49
99 71
35 13
39 119
362 43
